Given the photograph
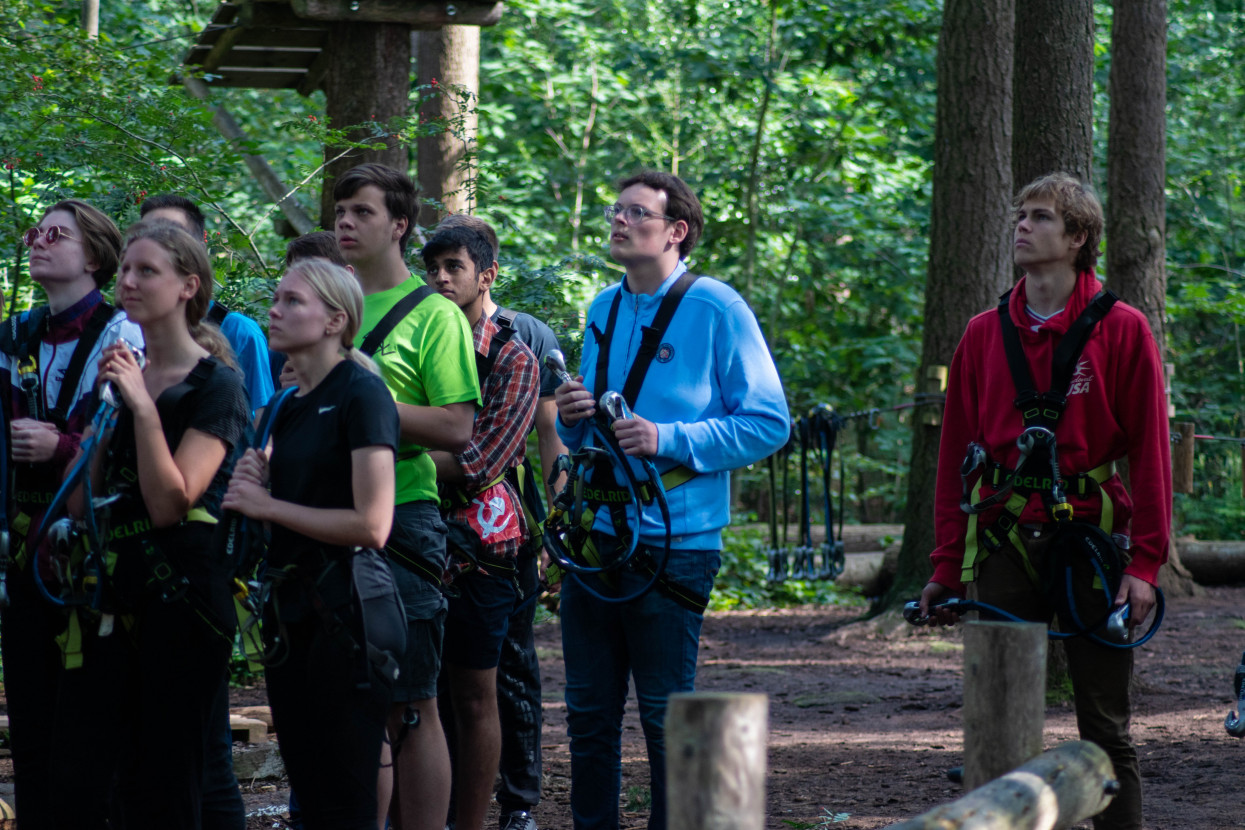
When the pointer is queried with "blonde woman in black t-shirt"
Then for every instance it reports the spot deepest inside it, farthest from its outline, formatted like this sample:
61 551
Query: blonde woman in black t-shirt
325 485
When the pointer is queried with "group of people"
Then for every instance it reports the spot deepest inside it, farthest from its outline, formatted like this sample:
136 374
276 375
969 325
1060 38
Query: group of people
384 457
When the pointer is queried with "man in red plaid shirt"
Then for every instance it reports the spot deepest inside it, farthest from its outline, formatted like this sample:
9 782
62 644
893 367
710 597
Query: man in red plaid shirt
484 514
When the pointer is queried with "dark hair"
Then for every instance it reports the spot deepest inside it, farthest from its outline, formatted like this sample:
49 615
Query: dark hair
401 194
681 203
100 237
475 223
315 245
1077 204
175 201
460 236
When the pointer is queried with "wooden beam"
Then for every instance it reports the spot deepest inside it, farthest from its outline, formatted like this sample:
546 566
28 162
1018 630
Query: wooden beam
1182 457
314 79
255 57
1004 697
423 15
715 760
258 78
1057 789
268 181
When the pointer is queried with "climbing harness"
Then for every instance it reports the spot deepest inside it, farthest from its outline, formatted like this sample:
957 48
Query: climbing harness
777 554
6 485
1037 472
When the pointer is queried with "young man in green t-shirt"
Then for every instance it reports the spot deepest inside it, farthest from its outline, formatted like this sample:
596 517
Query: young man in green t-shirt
428 363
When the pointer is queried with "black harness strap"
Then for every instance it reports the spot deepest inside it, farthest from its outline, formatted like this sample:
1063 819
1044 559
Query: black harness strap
392 317
216 313
650 339
1045 409
24 337
485 363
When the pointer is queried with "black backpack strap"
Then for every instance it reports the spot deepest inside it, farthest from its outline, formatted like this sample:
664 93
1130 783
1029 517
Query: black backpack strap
391 319
650 339
485 363
216 313
77 361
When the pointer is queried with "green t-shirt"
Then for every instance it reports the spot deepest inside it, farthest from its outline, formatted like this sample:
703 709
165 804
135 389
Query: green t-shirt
427 360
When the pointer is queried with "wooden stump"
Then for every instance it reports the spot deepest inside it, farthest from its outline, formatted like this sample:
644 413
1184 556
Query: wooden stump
715 761
1182 457
1004 697
1056 790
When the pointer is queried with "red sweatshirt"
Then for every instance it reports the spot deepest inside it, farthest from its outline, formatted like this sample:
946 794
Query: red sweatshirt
1116 409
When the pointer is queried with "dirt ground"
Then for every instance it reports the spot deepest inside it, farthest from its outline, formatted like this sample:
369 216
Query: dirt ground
865 718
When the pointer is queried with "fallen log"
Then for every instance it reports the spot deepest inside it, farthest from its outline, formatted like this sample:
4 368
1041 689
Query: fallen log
1214 562
1056 790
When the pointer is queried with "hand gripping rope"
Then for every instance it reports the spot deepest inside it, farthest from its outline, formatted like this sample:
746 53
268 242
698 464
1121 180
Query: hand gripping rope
566 517
87 587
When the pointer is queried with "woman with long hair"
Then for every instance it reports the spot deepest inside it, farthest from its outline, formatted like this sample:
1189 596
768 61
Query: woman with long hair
326 487
160 651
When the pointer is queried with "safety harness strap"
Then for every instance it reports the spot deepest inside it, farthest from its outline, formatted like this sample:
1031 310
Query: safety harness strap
650 339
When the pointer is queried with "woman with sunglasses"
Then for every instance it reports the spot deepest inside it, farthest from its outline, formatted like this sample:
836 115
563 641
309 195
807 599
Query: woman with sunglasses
48 360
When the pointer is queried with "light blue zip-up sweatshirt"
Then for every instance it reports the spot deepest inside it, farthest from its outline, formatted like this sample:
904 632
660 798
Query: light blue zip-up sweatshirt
713 392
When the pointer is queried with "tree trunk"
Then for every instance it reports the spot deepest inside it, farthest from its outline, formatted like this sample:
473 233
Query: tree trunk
369 79
970 254
1136 177
449 57
716 767
1053 114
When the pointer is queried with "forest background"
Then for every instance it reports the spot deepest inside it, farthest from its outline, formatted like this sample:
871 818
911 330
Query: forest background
806 128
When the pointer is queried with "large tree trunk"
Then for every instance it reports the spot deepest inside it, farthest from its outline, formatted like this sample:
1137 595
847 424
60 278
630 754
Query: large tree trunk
1053 115
451 57
969 255
369 79
1054 123
1136 177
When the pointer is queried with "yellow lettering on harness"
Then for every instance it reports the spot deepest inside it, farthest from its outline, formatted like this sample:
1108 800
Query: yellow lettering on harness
134 528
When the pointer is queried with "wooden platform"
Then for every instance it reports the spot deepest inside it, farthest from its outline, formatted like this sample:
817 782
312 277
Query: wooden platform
280 44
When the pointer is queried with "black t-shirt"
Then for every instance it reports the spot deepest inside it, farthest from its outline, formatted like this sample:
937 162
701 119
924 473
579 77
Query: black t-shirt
212 400
540 339
312 440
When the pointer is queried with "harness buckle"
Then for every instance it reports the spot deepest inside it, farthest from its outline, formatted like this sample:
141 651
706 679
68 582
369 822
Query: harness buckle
1061 512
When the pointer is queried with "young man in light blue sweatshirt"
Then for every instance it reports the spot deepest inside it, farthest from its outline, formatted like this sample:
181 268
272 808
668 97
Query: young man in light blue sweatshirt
710 402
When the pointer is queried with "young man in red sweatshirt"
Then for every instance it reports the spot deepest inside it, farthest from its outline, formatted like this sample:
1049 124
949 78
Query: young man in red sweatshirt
1003 551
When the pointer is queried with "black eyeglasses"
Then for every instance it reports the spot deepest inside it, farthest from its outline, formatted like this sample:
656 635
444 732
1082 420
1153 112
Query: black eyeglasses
53 235
633 214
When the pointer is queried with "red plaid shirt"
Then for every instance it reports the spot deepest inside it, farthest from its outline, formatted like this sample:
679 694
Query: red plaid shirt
499 436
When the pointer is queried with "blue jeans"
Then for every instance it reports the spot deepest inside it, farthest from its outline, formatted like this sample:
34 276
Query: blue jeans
653 640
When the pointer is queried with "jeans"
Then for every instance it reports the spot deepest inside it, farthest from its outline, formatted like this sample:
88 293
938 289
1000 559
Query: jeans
654 641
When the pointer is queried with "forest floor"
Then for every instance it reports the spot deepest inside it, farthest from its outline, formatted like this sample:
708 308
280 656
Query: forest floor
865 718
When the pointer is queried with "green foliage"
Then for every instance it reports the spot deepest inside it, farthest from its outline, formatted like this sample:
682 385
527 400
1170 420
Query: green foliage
741 582
828 817
637 799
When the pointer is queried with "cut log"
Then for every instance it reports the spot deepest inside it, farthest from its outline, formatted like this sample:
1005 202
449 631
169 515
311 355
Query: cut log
1214 563
1055 790
1004 697
715 760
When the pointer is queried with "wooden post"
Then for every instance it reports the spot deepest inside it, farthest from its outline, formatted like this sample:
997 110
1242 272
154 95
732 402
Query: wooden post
1053 791
1169 374
715 760
1004 697
1242 435
935 384
1182 458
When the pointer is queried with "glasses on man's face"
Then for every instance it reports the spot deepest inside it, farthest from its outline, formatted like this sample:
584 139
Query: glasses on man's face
633 214
53 235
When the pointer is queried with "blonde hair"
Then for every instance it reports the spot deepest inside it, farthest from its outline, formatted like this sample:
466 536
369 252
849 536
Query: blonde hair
188 256
339 291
